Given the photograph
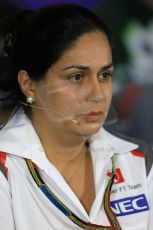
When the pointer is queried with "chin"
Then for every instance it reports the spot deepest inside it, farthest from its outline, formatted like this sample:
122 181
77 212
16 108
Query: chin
89 129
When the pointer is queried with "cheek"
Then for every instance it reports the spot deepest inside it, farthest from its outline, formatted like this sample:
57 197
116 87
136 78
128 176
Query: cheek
107 92
65 102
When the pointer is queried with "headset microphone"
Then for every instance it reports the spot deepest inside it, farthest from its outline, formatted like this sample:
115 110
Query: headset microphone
61 114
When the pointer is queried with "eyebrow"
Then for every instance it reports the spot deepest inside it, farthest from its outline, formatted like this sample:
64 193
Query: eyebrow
83 67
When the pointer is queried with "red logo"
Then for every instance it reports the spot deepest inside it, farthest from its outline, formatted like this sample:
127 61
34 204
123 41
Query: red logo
118 176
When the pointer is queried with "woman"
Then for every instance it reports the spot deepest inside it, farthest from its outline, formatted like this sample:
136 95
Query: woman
59 168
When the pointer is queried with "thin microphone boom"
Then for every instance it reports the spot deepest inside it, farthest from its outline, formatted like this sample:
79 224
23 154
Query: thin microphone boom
61 114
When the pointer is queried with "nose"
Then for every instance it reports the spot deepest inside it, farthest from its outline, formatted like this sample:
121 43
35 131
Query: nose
95 91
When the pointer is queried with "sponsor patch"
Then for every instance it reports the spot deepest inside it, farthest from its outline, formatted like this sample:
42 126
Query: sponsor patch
130 205
118 176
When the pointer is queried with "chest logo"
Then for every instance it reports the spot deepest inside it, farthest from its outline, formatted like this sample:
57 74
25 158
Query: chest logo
130 205
118 176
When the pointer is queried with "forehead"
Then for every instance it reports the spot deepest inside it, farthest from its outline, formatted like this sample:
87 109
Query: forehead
91 48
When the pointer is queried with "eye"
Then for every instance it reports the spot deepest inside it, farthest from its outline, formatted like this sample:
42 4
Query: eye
76 77
104 76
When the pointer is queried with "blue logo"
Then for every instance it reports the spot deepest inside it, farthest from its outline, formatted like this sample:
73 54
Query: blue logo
130 205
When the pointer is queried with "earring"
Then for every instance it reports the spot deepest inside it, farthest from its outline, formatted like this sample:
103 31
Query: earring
29 99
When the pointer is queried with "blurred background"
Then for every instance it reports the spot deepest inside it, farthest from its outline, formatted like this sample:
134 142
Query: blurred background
131 23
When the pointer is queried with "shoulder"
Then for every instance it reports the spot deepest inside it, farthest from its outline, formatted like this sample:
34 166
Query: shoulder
11 165
141 150
3 168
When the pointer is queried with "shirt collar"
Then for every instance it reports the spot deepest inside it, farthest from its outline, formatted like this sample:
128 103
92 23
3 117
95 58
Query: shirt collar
19 138
107 144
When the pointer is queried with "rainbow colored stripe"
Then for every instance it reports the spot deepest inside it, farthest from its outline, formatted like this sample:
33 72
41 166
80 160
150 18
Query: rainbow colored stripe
67 212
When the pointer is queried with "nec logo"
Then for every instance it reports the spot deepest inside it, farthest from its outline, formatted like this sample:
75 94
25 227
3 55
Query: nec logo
118 176
130 205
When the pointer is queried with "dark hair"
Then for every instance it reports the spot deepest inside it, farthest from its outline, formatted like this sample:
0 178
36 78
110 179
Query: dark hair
40 40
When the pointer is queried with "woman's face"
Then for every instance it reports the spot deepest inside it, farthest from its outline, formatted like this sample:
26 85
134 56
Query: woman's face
77 90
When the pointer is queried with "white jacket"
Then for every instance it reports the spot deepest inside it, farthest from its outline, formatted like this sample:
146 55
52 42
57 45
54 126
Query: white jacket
24 207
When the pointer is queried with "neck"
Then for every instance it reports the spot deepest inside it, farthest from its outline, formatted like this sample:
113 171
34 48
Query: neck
69 154
63 149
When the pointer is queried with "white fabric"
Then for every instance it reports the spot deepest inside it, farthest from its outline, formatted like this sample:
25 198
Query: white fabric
24 207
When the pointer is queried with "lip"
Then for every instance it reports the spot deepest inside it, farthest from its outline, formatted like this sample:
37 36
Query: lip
93 116
93 113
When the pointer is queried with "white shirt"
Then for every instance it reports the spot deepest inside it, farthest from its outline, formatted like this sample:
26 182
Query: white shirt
23 206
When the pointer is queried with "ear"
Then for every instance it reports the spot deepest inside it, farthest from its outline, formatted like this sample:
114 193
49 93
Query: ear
27 85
